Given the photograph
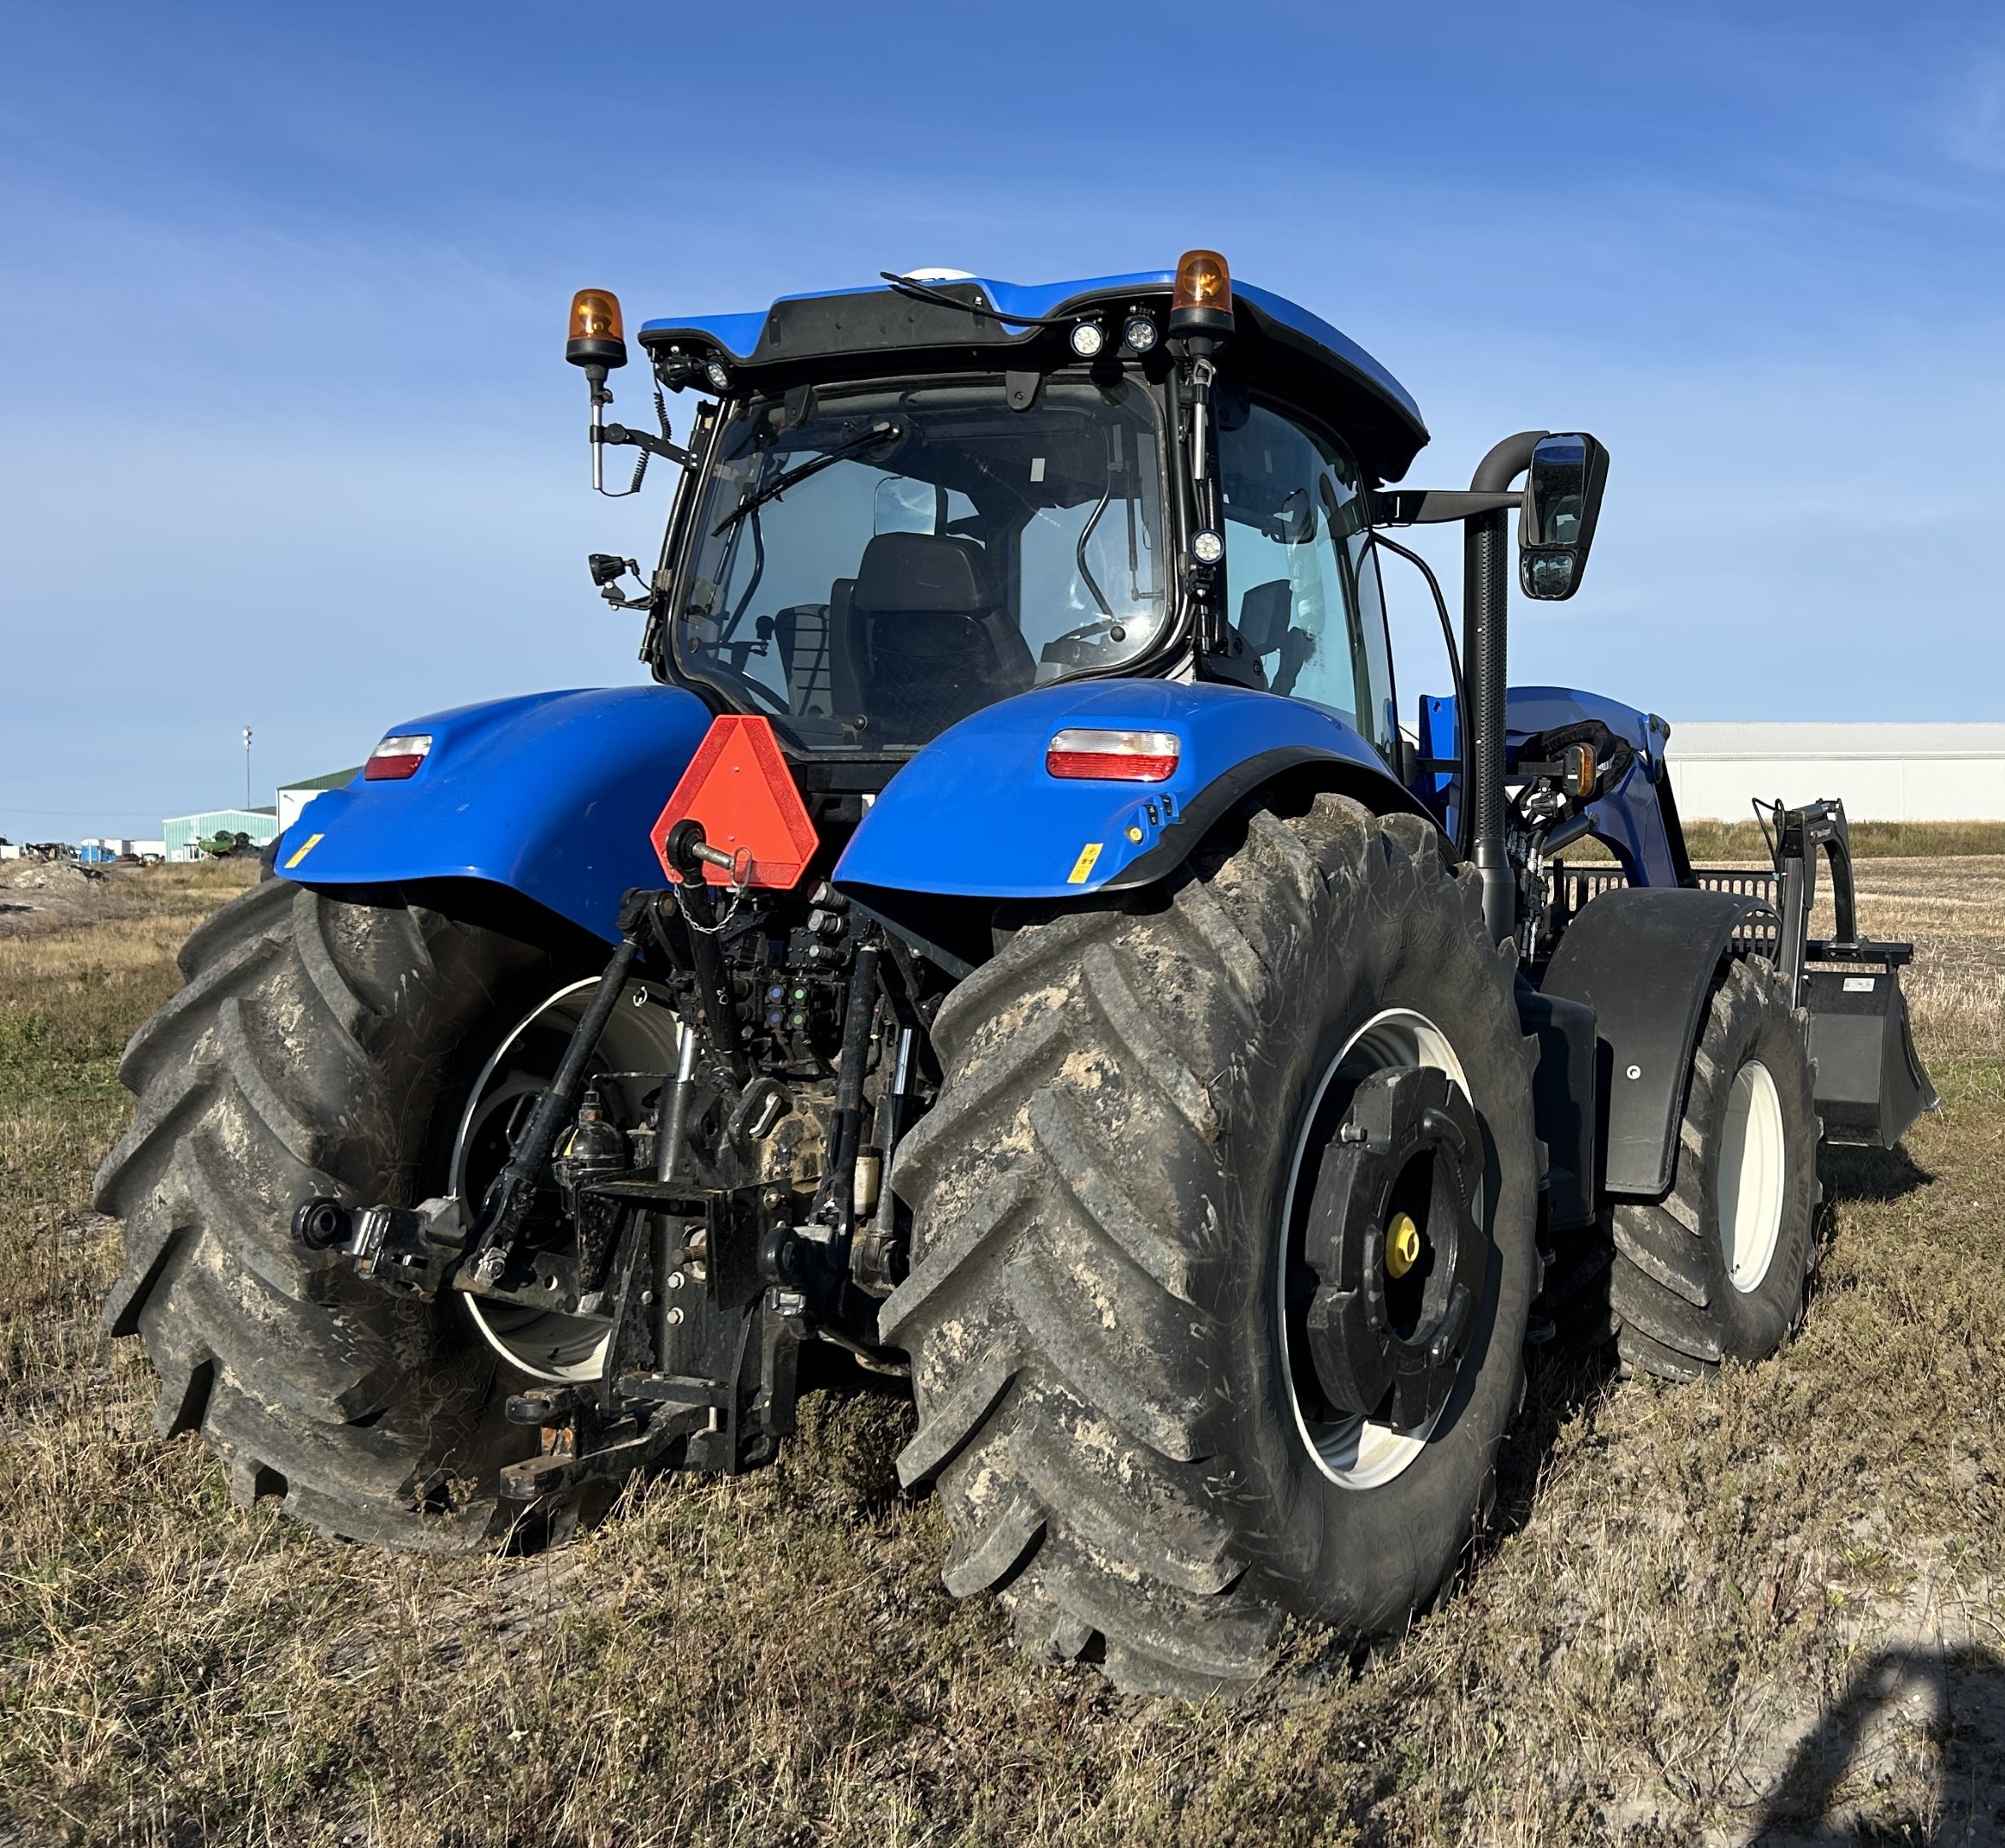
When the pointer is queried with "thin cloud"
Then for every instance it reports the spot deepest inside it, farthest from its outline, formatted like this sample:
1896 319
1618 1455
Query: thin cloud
1972 127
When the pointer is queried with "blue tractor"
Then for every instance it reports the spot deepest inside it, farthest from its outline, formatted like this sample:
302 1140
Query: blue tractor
1010 947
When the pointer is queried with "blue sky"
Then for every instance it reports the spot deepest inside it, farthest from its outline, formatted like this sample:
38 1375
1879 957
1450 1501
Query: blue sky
287 441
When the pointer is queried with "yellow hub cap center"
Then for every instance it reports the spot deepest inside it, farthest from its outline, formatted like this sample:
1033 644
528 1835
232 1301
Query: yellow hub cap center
1403 1245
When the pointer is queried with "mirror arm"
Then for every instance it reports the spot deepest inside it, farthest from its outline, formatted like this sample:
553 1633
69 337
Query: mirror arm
1486 581
1506 461
1429 507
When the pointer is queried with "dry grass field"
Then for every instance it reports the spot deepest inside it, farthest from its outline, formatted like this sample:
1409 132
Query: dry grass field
1764 1608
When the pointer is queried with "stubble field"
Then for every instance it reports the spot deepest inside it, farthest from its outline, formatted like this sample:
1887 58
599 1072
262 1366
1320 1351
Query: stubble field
1764 1608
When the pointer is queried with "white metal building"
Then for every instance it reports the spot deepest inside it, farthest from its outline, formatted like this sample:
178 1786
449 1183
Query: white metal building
1882 772
294 796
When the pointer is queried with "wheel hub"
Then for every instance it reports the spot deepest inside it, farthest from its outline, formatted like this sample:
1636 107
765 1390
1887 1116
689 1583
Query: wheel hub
1403 1244
1395 1250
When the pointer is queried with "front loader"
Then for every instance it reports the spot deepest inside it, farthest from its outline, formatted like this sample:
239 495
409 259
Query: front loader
1009 946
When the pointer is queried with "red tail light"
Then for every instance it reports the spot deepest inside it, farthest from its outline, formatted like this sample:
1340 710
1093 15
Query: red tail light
398 757
1118 756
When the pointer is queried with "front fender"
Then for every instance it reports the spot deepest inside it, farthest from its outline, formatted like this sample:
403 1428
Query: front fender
1644 961
976 814
550 795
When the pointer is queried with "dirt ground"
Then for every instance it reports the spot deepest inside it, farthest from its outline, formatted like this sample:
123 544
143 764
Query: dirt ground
1766 1609
38 895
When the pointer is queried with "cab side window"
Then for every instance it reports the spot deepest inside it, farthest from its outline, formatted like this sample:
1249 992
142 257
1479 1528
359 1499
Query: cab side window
1300 572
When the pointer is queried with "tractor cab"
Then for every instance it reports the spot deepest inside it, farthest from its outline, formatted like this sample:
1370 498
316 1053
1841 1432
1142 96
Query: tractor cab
906 552
908 504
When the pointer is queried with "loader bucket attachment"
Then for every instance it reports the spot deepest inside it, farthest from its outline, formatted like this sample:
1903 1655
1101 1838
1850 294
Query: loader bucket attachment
1869 1083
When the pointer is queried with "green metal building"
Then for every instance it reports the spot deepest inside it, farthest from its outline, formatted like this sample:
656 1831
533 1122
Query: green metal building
182 833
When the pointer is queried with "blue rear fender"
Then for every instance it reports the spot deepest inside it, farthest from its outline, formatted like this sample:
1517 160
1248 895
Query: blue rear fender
550 795
976 814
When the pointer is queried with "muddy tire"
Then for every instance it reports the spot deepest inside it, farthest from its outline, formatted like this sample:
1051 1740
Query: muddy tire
1716 1269
1099 1307
319 1047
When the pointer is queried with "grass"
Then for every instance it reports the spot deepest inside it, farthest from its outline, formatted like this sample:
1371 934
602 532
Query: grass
1730 841
1681 1580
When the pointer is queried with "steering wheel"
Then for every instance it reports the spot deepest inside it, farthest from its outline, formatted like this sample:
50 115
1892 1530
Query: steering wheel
736 677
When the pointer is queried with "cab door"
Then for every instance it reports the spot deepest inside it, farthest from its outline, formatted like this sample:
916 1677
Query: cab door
1308 617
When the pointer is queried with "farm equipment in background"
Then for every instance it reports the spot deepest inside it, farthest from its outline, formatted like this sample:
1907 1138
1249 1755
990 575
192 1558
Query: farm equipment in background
1010 946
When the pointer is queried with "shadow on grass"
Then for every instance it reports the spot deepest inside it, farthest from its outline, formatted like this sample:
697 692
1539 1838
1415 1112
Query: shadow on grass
1913 1750
1563 1379
1868 1173
1855 1176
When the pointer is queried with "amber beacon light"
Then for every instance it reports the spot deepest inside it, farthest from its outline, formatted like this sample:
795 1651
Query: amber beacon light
597 336
1202 302
598 343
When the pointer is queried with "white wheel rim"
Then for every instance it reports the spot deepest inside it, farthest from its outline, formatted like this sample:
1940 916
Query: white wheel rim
1751 1150
1359 1452
641 1036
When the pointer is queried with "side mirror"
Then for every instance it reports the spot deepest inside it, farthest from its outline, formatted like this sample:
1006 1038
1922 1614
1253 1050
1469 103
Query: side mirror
1556 526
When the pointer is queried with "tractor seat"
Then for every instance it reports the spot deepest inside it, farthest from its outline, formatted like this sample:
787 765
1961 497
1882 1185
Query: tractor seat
927 639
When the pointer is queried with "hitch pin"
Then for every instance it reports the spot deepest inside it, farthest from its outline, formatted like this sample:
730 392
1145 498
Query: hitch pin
728 862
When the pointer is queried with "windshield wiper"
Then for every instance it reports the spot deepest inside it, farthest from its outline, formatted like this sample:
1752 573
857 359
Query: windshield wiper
921 292
877 433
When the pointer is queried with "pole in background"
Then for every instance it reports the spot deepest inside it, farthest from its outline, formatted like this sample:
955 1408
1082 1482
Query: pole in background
246 769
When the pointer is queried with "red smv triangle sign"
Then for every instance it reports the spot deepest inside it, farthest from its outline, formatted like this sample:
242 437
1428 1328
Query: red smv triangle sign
738 785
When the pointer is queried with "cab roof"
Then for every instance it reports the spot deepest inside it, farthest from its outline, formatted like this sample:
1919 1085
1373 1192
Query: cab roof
1280 343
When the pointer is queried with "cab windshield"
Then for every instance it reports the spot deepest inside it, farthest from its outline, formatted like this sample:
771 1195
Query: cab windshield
928 551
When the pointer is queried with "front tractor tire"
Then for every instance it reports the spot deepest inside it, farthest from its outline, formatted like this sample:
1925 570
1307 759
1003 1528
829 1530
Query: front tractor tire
1224 1245
1717 1269
318 1048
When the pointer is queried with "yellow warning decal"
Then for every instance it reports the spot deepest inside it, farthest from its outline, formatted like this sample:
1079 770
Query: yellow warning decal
305 848
1082 867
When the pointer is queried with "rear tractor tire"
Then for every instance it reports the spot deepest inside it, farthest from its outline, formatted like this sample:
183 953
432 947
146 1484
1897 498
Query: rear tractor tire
1223 1250
1717 1269
319 1047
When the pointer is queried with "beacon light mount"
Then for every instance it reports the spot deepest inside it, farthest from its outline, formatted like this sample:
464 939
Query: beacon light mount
1200 323
597 342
